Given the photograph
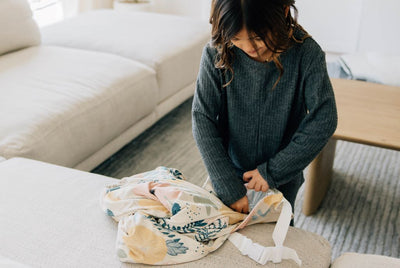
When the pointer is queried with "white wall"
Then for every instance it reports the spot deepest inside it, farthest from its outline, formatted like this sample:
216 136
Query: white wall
339 26
335 24
348 26
199 9
380 27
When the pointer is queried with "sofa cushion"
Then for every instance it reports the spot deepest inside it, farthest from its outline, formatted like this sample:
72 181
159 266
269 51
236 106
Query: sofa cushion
51 217
17 27
356 260
171 45
61 105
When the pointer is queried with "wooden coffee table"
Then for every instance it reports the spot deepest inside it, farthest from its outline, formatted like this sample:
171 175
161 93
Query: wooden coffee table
369 114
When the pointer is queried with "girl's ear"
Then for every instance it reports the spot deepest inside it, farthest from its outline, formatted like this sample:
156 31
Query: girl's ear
287 10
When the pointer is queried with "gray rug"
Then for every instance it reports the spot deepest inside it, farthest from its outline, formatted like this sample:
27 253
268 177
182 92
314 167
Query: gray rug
359 214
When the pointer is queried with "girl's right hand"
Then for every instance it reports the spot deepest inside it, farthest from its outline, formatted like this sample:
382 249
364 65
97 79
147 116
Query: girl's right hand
242 205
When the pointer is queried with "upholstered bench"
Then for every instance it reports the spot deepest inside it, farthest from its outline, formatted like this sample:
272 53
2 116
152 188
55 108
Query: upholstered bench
51 217
369 114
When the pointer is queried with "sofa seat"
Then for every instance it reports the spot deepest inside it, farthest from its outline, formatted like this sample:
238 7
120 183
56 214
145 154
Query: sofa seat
171 45
60 105
51 217
357 260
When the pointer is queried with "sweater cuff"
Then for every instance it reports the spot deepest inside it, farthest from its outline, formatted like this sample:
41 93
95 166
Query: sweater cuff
229 192
262 168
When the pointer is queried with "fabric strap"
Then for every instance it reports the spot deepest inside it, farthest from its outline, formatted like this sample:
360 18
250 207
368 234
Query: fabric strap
275 254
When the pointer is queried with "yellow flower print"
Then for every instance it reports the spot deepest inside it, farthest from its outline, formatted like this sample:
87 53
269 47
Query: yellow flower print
112 197
234 217
144 245
150 204
274 199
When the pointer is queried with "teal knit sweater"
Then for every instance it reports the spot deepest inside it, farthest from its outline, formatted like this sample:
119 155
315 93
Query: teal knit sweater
278 131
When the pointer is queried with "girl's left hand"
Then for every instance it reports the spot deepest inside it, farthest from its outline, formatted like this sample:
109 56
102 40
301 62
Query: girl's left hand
255 181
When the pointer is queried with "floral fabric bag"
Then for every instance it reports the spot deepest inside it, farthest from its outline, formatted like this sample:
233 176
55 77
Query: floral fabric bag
163 219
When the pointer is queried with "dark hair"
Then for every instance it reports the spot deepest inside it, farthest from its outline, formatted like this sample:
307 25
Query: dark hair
265 18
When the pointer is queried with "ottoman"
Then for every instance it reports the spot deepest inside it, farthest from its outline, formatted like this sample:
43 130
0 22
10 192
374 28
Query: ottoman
51 217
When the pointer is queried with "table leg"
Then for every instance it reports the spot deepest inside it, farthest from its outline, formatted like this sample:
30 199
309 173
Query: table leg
319 178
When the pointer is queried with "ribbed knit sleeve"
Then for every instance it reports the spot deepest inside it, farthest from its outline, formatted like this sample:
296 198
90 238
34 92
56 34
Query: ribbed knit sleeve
314 130
226 183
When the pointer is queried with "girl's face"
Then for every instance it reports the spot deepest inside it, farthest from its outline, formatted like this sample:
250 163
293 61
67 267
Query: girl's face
252 45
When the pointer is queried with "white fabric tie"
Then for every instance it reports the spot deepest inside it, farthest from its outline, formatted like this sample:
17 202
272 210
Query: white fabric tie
275 254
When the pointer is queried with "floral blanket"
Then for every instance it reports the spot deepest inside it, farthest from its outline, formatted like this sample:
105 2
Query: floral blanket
163 219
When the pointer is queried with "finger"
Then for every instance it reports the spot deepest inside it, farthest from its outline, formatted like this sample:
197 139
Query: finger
247 176
246 207
257 187
264 188
252 184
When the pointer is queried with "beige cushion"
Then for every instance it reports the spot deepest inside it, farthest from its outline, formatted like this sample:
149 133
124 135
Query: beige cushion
51 217
356 260
17 27
61 105
171 45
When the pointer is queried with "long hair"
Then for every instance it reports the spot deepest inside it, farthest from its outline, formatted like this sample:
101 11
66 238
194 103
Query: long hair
264 18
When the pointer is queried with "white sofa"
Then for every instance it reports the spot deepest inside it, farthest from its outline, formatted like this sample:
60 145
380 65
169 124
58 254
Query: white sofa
97 81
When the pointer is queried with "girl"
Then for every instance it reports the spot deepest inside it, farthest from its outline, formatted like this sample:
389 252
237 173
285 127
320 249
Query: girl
280 104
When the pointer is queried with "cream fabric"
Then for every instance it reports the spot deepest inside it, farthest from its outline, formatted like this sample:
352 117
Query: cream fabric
17 27
170 45
7 263
61 105
50 216
113 146
164 219
357 260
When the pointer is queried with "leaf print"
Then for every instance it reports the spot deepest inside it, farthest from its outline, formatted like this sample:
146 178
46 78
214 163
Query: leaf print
204 200
121 254
110 213
199 223
113 189
175 208
208 210
174 247
259 212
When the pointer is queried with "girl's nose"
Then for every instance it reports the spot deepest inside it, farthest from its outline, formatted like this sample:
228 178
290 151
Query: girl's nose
247 46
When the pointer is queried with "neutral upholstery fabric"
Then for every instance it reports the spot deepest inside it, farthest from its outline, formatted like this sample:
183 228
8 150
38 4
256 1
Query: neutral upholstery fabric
357 260
61 105
7 263
17 27
51 217
170 45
